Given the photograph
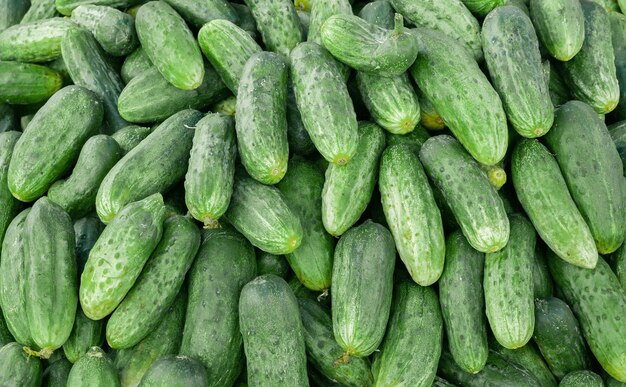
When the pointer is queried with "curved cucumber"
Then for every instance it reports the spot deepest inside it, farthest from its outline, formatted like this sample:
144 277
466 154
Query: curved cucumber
85 334
199 13
18 368
113 29
130 136
95 368
560 25
278 23
38 41
173 370
25 83
9 206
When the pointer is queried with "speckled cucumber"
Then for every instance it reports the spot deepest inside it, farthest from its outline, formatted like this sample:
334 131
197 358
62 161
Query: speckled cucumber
583 378
39 10
113 29
13 11
482 7
198 13
130 136
429 117
378 12
24 83
560 25
618 33
134 64
173 370
66 7
39 41
278 23
414 139
481 216
87 230
95 368
18 368
9 206
529 358
320 11
85 334
55 375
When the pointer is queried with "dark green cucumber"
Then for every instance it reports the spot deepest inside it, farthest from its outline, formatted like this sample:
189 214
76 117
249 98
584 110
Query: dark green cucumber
618 33
348 188
85 334
8 118
529 358
176 371
439 382
560 25
246 20
119 255
362 288
598 301
272 264
312 262
12 12
136 63
323 351
149 97
463 304
93 369
270 324
135 177
87 230
130 136
591 74
278 23
18 368
481 216
209 178
541 275
583 378
558 337
301 291
198 13
66 7
299 140
619 264
378 12
412 214
170 45
324 103
24 83
542 191
261 117
9 206
559 92
5 335
39 10
261 214
482 7
113 29
320 11
224 264
38 41
403 357
56 374
450 78
618 135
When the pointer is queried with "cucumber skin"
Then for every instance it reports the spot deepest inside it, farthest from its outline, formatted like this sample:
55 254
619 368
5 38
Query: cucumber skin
412 214
224 264
618 33
86 333
456 174
320 12
261 122
8 119
19 369
175 370
170 47
529 358
278 23
95 368
39 41
268 333
619 265
404 359
582 378
136 231
299 140
5 335
210 175
475 117
56 374
25 83
39 10
113 29
87 231
482 7
34 169
200 13
13 12
167 146
246 20
66 7
378 12
273 264
541 275
9 206
542 191
462 304
130 136
560 25
136 63
363 267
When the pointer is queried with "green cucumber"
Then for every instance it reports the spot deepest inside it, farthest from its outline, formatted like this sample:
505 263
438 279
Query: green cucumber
299 140
224 264
481 216
85 334
9 206
87 231
56 374
113 29
362 285
439 382
246 20
463 304
210 176
608 5
270 324
272 264
5 335
135 177
305 22
312 262
24 83
414 139
226 106
8 118
301 291
130 136
542 282
403 357
378 12
444 73
93 369
198 13
39 10
119 255
618 135
619 264
170 45
66 7
559 92
529 358
12 12
542 191
583 378
560 25
429 117
320 11
38 41
482 7
261 122
618 33
278 23
176 371
18 368
412 214
136 63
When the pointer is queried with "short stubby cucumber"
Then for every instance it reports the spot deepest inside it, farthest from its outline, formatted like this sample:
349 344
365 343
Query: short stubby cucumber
113 29
95 368
278 23
85 334
560 25
582 378
273 264
134 64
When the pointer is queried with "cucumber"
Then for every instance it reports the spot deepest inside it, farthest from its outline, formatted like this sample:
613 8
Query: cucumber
429 117
87 231
66 7
210 176
272 264
608 5
595 57
619 264
136 63
414 139
270 324
618 135
312 262
592 170
558 337
113 29
299 140
90 68
278 23
560 25
198 13
246 20
39 10
473 113
224 264
362 286
38 41
173 370
130 136
378 12
226 106
5 335
119 255
261 120
404 358
18 368
9 206
496 174
482 7
324 103
512 54
95 368
56 374
228 48
135 177
320 11
170 45
348 188
8 118
261 214
542 282
86 333
529 358
24 83
462 304
149 97
583 378
482 218
542 191
618 33
598 301
559 92
12 12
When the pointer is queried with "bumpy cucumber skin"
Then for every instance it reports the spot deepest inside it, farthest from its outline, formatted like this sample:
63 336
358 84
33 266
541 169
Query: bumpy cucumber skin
134 64
618 33
362 286
25 83
473 113
482 7
463 304
312 262
94 368
210 175
560 25
404 359
113 29
56 374
529 358
542 191
324 103
33 168
170 45
482 218
119 255
85 334
135 177
320 11
270 324
39 41
278 23
199 13
348 188
130 136
9 206
261 122
582 378
18 368
272 264
66 7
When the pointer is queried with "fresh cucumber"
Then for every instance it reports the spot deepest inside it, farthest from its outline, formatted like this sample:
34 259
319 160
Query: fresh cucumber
198 13
320 11
113 29
18 368
560 25
173 370
38 41
278 23
9 206
95 368
134 64
86 333
130 136
25 83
